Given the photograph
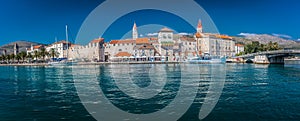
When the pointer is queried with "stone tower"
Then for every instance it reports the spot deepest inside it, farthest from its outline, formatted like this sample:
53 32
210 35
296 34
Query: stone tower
134 32
199 27
16 49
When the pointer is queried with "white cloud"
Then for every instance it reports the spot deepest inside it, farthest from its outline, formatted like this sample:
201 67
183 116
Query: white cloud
298 40
183 33
152 34
247 34
282 36
141 35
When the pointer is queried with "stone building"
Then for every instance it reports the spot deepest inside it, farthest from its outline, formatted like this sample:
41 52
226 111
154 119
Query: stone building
94 51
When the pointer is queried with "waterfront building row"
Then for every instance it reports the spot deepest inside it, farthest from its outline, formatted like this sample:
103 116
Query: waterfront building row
166 46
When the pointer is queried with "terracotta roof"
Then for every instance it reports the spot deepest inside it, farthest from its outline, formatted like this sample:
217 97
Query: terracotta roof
142 40
239 45
121 41
165 29
199 24
184 38
223 36
99 40
73 45
153 38
144 46
123 54
37 46
198 35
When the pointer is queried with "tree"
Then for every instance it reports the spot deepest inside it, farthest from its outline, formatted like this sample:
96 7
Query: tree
23 55
43 53
29 57
12 57
36 55
18 57
7 58
53 53
3 58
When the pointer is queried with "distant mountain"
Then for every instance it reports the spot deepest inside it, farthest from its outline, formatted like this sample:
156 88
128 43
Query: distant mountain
266 38
23 44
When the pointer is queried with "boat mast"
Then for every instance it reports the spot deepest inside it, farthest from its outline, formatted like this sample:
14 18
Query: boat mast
67 38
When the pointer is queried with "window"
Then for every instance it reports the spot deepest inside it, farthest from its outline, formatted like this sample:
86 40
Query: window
164 36
169 36
120 49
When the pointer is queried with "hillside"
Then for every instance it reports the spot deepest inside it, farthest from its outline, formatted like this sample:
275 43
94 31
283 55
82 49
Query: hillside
265 38
22 46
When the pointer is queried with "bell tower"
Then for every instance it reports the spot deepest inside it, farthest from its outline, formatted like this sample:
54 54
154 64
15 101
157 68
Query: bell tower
199 27
134 32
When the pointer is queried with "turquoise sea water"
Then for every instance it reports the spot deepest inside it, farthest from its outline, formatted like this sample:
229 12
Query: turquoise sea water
251 92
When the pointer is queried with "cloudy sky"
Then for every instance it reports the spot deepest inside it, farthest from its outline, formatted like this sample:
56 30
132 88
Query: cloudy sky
43 20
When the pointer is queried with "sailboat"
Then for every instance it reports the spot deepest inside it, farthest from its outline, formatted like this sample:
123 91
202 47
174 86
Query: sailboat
64 62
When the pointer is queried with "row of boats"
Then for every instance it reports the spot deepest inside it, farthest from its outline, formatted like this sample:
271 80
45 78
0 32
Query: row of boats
194 60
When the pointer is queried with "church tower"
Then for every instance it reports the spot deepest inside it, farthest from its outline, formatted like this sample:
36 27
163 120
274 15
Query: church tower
199 27
134 32
16 49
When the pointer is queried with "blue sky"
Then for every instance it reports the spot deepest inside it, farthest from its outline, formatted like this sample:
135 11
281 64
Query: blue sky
43 20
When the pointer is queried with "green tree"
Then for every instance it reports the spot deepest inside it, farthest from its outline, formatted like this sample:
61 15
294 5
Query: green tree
36 55
18 57
53 53
23 55
43 53
12 57
7 58
3 58
29 57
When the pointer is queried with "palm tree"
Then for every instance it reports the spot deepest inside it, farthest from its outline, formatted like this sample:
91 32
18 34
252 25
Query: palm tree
43 53
12 57
36 55
29 57
18 57
7 58
53 53
3 58
23 55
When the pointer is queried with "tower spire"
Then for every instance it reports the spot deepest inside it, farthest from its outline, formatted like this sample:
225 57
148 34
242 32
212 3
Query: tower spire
199 27
134 31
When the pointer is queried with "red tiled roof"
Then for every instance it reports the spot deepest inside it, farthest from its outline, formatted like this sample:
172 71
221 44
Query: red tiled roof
73 45
153 38
146 47
223 36
37 46
123 54
97 40
198 35
239 45
184 38
121 41
142 41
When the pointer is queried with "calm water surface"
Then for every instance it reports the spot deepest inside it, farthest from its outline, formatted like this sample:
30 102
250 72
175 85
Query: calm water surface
251 92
